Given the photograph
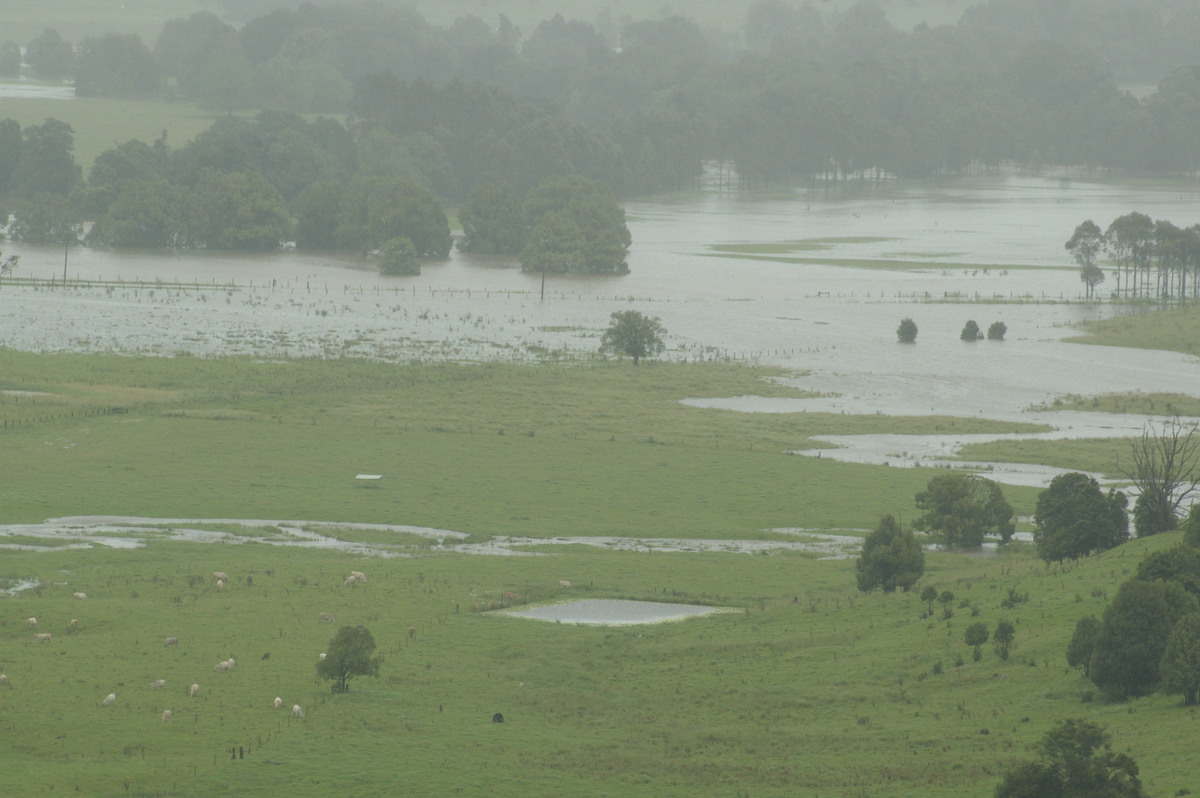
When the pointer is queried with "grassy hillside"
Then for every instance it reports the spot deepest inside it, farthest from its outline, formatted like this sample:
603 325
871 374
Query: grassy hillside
807 688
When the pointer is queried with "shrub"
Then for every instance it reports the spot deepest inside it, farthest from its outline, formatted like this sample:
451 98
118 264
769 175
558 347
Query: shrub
996 331
971 331
907 331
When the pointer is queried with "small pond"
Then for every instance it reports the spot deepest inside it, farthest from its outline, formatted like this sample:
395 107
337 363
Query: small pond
614 612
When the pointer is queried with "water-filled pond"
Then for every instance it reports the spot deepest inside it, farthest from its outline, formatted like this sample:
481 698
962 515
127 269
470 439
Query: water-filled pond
614 612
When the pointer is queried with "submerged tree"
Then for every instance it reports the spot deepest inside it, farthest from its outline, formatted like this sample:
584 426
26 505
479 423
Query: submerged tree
634 334
349 655
1084 246
960 510
907 331
971 331
997 330
1166 470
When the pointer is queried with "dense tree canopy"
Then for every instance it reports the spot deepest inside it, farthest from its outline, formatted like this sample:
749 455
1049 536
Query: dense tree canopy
1133 636
575 226
1075 758
961 510
1074 518
633 334
1180 666
891 558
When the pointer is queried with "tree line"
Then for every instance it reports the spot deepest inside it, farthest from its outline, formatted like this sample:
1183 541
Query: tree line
643 105
1150 258
252 184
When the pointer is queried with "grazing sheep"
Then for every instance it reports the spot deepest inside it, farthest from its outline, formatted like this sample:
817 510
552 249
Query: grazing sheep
297 712
350 580
31 623
166 715
220 576
278 702
220 585
3 679
157 683
194 690
108 699
359 575
81 596
43 637
171 641
565 583
325 616
321 656
73 624
225 665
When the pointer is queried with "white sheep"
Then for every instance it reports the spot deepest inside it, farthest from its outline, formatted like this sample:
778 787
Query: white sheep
359 575
31 623
158 683
194 690
81 596
220 585
73 624
3 679
43 637
350 580
171 641
108 699
220 576
321 656
166 715
297 712
225 665
278 702
564 583
325 616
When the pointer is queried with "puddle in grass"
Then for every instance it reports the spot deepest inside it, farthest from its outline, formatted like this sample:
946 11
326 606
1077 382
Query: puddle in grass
614 612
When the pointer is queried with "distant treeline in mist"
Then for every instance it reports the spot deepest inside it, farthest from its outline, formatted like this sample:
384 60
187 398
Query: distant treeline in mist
641 107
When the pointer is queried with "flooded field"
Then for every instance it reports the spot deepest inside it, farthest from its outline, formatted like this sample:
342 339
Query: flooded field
988 249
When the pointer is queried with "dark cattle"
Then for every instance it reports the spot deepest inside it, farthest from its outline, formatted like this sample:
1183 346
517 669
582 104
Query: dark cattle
498 718
267 655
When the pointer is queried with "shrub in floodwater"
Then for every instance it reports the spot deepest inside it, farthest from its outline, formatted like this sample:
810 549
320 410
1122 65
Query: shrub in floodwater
907 331
996 331
971 331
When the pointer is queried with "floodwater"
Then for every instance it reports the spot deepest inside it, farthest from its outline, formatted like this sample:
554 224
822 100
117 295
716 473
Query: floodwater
613 612
968 247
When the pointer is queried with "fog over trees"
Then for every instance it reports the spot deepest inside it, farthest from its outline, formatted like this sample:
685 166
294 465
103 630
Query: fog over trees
638 105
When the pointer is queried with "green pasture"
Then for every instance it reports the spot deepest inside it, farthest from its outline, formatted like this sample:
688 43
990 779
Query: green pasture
483 449
780 253
809 688
1172 329
100 125
1149 404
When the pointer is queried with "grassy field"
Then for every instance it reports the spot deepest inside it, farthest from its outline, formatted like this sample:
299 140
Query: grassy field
100 125
1175 330
810 688
487 449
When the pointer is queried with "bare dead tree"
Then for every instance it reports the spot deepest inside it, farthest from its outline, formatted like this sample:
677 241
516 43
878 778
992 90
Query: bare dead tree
1166 471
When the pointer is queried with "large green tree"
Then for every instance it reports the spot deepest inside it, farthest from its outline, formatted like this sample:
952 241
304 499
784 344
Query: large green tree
146 213
117 65
238 210
1180 666
492 221
1084 245
634 334
1083 643
1179 563
961 510
1075 760
46 162
1133 636
349 654
1074 518
891 558
576 226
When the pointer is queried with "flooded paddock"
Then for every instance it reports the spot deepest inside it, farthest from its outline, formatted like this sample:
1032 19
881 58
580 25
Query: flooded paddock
614 612
984 249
